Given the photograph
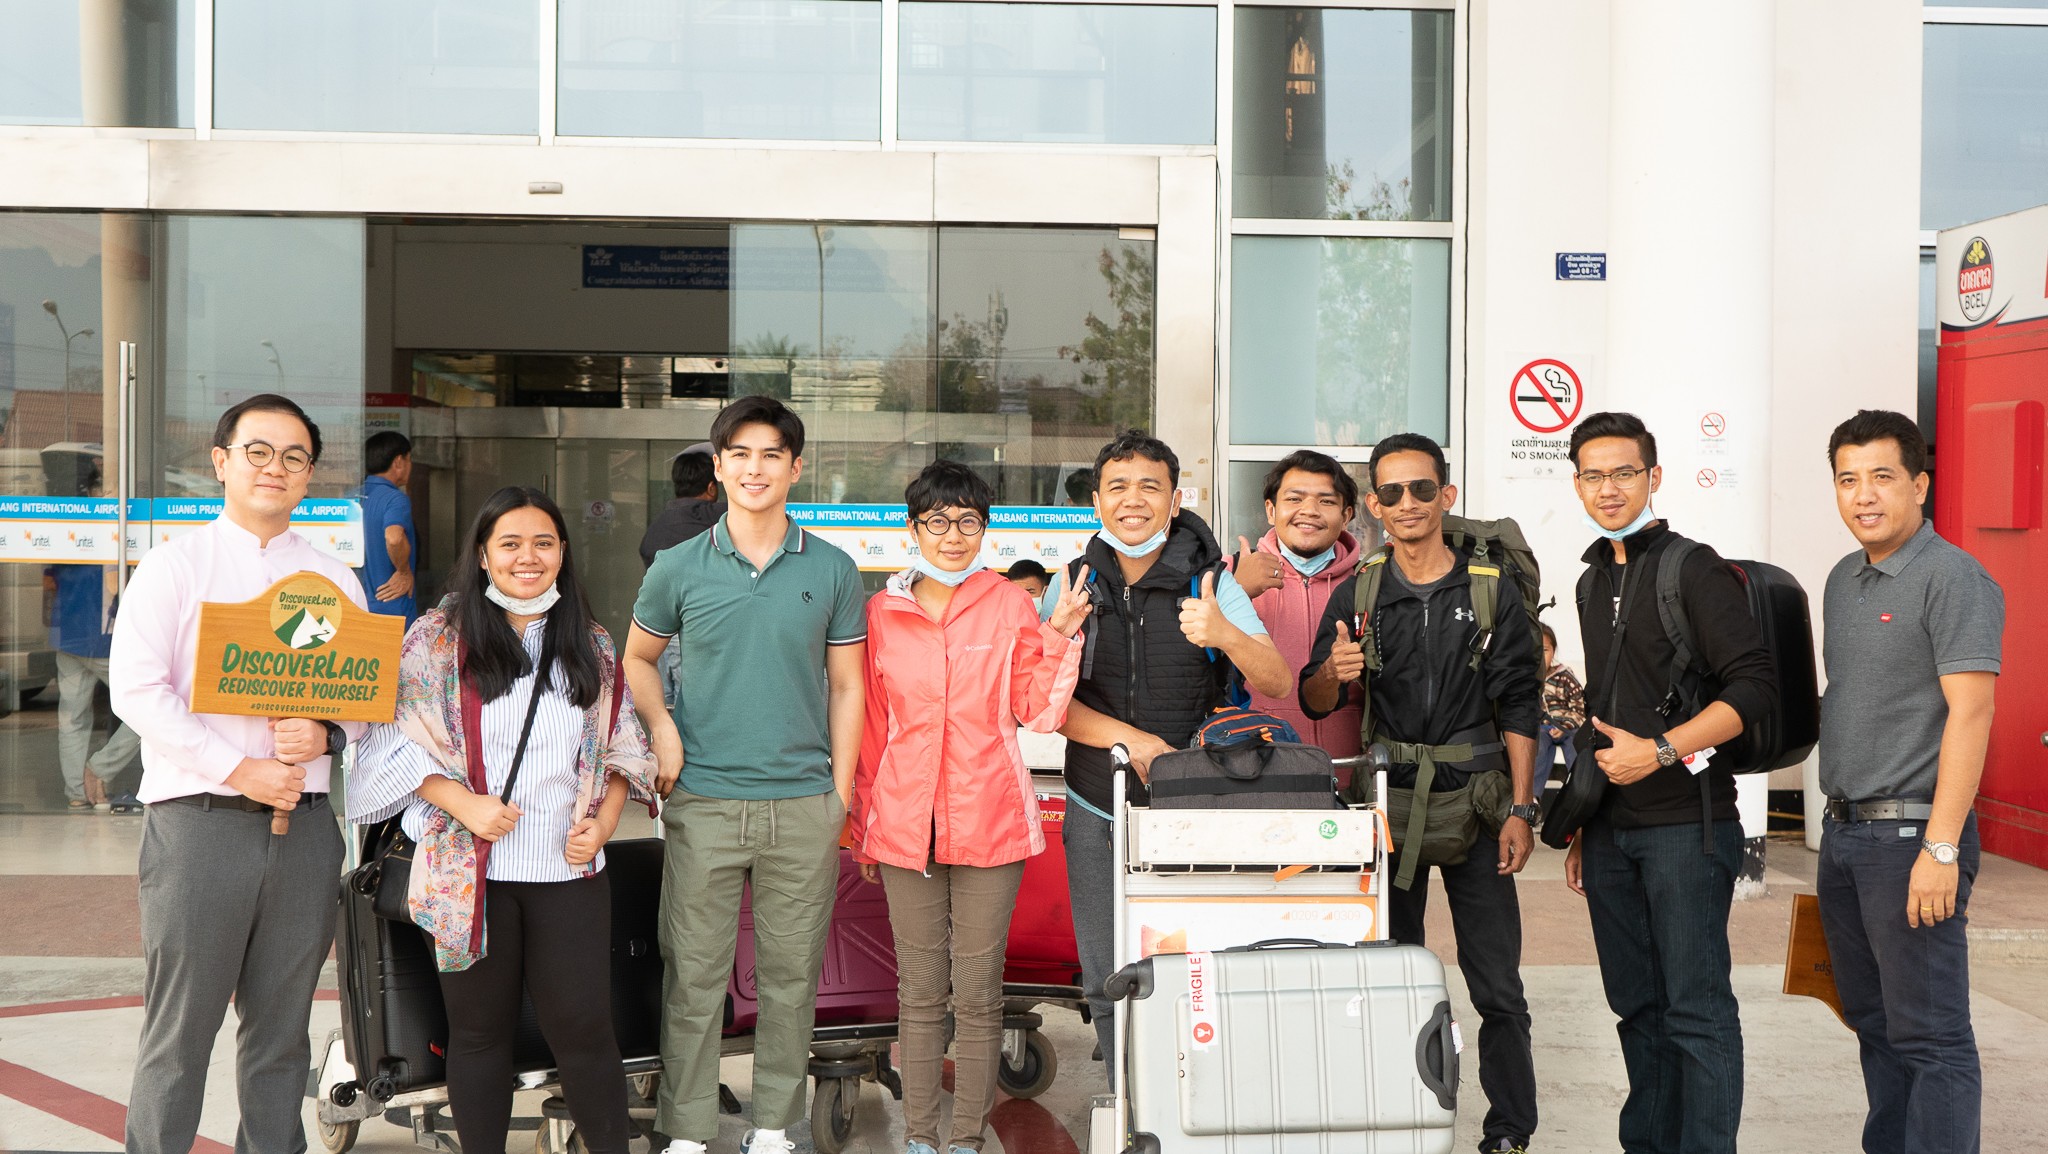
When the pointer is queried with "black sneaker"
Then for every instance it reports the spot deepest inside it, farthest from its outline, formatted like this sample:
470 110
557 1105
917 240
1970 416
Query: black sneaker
1504 1146
127 803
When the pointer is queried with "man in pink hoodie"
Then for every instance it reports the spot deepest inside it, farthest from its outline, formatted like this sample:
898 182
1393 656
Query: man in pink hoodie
1291 572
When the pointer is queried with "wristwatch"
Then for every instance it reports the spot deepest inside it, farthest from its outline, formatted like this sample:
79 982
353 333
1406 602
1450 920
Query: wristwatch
337 739
1525 812
1942 852
1667 754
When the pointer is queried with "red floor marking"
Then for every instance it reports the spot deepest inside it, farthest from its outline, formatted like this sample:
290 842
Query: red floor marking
69 1007
127 1003
82 1108
1028 1128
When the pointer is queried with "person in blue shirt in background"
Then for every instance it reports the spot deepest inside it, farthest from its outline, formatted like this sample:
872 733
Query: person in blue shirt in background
389 544
79 610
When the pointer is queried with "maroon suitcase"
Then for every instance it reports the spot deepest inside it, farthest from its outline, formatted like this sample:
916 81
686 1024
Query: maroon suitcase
857 985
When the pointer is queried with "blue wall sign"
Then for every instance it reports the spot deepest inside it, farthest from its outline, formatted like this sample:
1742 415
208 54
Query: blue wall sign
650 266
1582 266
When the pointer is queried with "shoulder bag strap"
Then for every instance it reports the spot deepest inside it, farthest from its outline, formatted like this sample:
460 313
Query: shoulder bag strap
545 669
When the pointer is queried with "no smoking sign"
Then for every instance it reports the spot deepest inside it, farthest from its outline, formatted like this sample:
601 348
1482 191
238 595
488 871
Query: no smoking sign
1546 395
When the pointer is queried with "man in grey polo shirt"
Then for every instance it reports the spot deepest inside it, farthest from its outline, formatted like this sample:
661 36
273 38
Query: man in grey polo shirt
1912 653
756 763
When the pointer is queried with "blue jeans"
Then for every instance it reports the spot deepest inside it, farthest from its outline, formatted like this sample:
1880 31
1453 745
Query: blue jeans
1905 991
1091 888
1660 922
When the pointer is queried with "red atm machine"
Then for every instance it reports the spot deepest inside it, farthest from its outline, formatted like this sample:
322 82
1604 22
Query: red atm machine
1991 293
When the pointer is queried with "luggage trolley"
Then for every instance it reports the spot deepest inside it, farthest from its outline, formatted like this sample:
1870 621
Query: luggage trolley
1309 886
387 972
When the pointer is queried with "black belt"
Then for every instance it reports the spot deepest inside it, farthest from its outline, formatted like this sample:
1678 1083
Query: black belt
1880 809
238 803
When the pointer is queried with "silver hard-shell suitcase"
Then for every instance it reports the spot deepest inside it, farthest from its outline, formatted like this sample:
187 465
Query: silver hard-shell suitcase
1290 1046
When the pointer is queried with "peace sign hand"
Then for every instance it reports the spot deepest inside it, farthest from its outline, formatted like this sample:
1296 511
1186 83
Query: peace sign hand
1073 607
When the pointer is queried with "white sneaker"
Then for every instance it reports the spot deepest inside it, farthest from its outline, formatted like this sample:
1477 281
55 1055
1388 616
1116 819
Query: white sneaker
766 1142
684 1146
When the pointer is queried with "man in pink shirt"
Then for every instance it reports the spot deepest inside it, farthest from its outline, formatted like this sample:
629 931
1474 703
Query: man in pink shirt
229 910
1290 573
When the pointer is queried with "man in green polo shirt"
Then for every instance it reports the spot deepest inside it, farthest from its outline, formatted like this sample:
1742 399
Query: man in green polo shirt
756 764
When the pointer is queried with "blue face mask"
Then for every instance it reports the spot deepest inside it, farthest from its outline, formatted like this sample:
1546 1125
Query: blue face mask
1309 566
1146 549
927 569
1642 519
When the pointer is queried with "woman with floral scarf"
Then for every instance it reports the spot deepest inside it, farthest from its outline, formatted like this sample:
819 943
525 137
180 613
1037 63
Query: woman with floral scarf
510 670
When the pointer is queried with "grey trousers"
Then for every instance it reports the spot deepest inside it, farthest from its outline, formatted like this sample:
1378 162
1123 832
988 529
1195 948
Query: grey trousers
76 679
230 911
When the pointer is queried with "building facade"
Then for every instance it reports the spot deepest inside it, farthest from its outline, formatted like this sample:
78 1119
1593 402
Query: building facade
547 237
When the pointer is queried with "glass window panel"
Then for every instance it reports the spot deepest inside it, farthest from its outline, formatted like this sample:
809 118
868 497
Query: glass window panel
1342 113
1246 516
760 69
1986 3
262 305
1045 351
1067 73
1984 123
1930 342
1338 340
112 63
469 66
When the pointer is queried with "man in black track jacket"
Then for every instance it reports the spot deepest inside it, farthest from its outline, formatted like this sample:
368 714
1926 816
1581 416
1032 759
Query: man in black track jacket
1427 693
1658 898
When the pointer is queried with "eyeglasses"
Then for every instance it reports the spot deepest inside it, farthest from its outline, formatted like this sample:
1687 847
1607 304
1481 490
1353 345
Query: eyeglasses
260 453
1389 494
938 524
1623 478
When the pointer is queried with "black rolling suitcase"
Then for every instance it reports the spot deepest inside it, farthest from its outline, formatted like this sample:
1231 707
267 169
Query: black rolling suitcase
393 1024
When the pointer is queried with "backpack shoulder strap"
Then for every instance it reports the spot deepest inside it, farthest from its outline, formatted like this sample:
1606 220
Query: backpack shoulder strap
1485 576
1671 613
1365 597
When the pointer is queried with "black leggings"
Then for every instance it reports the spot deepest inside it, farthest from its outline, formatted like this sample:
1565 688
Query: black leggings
553 939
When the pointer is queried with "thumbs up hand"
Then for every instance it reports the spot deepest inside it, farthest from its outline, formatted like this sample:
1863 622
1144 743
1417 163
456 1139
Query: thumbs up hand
1347 657
1201 618
1628 759
1255 571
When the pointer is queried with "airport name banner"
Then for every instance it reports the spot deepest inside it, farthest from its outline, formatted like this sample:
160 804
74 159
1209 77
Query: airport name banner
80 530
879 539
300 649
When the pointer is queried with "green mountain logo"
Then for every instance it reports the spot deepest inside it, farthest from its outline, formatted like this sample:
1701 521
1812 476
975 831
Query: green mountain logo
304 630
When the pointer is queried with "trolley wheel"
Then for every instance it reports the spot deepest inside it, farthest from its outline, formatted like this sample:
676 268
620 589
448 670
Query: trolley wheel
337 1137
832 1110
1034 1074
541 1145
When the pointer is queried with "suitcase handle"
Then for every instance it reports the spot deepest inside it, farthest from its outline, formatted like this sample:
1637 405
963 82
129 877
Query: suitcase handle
1436 1057
1289 944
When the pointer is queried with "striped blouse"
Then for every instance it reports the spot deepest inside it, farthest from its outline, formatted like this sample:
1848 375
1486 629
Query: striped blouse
545 792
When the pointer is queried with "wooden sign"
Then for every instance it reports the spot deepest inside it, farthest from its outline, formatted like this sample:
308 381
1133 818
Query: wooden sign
302 649
1808 970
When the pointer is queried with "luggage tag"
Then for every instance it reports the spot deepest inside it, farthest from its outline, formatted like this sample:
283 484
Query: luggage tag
1697 763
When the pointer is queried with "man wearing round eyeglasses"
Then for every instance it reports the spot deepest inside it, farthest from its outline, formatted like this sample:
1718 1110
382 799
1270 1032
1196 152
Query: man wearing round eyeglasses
229 910
1657 864
1452 723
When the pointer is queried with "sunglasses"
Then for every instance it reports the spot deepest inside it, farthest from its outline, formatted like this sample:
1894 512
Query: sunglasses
1389 494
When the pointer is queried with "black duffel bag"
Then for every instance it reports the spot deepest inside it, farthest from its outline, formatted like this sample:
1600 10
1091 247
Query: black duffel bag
1261 775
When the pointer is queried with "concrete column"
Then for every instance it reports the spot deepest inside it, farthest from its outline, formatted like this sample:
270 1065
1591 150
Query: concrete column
1690 157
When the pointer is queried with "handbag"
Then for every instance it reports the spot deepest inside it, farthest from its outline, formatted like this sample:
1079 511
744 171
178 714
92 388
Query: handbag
1585 783
387 876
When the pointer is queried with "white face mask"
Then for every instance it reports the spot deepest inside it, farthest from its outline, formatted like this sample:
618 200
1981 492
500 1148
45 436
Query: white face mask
944 577
522 606
1643 518
1309 566
1144 549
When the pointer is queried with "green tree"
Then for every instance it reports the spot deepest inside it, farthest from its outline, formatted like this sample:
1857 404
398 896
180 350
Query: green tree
1117 354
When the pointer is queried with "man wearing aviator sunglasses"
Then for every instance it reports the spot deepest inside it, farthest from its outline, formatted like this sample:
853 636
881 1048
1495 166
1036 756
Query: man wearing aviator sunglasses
1439 708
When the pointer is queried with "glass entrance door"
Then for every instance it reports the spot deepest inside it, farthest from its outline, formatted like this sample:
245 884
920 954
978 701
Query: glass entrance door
75 293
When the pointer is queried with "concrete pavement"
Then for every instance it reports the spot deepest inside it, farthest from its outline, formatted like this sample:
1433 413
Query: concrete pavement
70 979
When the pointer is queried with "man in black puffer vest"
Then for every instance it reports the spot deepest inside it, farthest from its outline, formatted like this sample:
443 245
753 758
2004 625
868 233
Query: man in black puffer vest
1169 626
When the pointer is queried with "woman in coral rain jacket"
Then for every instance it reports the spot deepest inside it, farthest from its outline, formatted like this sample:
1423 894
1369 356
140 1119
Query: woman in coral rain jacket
943 813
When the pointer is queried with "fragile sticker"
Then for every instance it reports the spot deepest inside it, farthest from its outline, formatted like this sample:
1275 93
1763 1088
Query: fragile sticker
1202 1017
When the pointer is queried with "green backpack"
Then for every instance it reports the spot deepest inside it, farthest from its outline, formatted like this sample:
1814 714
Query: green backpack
1497 547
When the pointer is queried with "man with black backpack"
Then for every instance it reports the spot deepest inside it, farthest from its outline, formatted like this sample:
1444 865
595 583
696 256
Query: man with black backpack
1440 633
1658 860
